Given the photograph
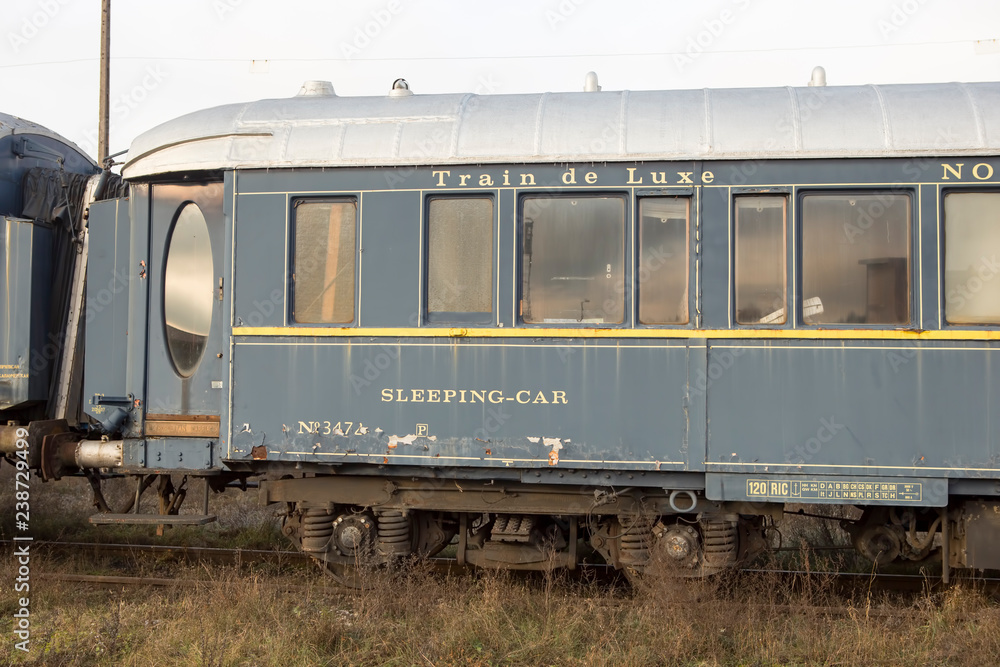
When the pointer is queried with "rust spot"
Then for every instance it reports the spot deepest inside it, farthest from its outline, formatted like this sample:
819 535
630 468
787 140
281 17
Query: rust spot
385 459
258 453
553 458
392 445
489 452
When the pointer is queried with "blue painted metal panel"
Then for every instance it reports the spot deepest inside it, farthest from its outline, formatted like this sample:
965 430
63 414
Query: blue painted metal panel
108 277
855 407
258 289
714 259
463 402
169 454
390 260
26 357
508 256
138 305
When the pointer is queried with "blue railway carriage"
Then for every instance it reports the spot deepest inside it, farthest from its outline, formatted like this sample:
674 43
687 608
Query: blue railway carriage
636 323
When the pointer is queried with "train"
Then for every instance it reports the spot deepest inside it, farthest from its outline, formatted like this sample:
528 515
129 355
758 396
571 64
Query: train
532 328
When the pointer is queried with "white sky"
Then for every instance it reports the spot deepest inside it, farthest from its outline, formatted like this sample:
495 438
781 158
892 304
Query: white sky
169 58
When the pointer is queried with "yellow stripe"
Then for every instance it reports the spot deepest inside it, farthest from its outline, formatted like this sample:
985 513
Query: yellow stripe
440 332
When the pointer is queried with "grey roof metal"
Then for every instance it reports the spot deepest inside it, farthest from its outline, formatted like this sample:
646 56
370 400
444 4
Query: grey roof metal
10 125
324 130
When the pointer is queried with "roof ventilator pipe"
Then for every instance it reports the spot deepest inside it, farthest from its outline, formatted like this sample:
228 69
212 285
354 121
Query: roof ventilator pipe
400 88
316 89
818 77
590 83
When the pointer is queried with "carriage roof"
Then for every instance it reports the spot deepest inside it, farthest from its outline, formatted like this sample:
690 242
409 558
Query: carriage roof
320 129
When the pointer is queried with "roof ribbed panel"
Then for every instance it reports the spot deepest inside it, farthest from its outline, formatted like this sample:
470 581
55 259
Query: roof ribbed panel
822 122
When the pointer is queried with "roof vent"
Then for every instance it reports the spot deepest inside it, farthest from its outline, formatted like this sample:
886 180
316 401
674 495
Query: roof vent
818 77
590 83
400 88
316 89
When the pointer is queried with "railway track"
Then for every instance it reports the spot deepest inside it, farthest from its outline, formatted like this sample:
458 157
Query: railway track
236 556
844 582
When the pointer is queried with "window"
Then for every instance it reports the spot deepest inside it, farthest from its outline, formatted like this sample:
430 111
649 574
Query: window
856 259
573 260
971 247
460 259
188 289
323 264
760 260
663 260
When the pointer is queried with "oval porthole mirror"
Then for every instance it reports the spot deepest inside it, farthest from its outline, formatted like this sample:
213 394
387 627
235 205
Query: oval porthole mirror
188 289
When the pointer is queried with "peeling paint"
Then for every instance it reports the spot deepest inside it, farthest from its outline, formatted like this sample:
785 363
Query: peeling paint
338 431
534 440
556 445
362 431
395 440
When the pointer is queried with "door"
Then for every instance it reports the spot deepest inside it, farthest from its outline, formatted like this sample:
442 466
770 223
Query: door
186 378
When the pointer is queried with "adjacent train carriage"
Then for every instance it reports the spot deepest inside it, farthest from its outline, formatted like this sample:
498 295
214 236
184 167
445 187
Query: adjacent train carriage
45 184
636 322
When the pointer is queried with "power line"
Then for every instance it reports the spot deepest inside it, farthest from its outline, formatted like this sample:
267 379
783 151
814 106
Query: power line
538 56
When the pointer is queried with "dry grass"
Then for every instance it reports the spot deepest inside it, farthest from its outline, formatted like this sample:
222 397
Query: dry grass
413 617
416 618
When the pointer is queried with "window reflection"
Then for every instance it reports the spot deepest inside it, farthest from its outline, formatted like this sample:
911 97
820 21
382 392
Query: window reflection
324 261
760 260
856 259
188 289
573 266
971 249
663 260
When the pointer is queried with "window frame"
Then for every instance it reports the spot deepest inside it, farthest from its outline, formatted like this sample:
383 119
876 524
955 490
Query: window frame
628 292
635 284
167 290
425 315
791 310
912 256
292 232
942 230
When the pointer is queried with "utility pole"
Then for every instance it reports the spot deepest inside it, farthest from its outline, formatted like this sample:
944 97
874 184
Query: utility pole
102 130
